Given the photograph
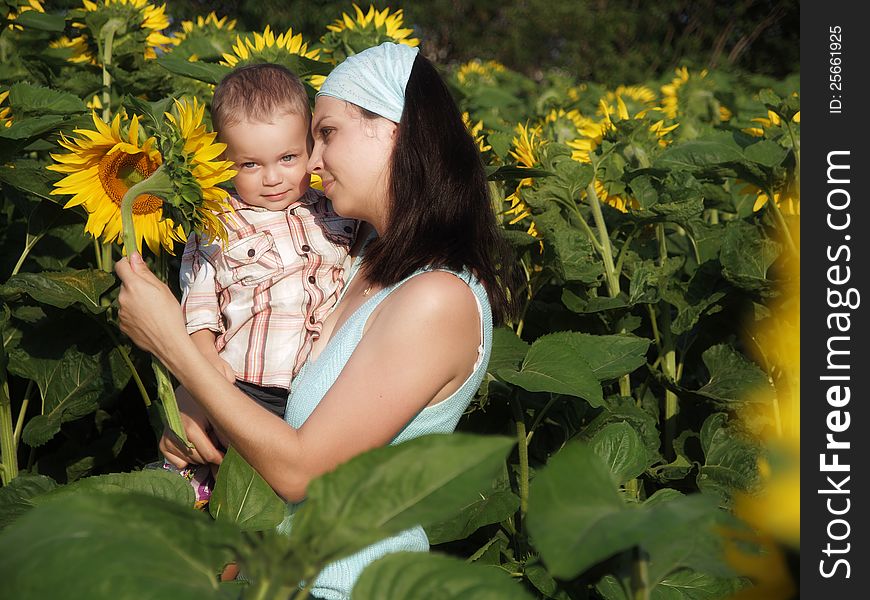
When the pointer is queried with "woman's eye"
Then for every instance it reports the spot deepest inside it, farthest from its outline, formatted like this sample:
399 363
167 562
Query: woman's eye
324 132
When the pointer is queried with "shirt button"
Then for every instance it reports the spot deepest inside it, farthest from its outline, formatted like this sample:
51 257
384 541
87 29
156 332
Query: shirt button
306 248
348 229
251 252
311 279
312 320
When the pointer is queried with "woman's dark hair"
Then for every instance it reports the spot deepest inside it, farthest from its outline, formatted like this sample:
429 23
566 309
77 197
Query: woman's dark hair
440 213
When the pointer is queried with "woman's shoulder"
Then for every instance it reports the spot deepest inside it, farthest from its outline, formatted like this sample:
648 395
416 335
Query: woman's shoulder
432 302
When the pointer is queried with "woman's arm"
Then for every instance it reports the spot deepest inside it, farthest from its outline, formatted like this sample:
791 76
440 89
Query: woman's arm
418 347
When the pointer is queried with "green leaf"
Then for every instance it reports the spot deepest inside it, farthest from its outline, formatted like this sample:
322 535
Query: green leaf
550 366
242 497
27 99
23 130
733 378
621 448
577 521
146 548
766 153
33 19
62 288
422 576
17 497
694 543
686 584
508 350
508 173
746 256
71 387
31 177
594 304
698 153
576 260
208 72
609 356
493 507
157 483
384 491
730 459
625 410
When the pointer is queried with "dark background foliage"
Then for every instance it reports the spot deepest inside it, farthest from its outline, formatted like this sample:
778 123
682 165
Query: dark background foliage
609 41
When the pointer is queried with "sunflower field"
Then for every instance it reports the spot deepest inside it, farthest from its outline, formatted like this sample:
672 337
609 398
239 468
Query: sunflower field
636 436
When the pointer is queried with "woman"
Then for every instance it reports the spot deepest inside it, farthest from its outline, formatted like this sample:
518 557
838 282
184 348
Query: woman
407 345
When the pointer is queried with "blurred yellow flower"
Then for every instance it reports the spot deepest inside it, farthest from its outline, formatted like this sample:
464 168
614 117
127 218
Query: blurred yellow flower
672 94
381 21
771 120
212 20
5 111
23 8
477 70
267 47
81 53
475 130
151 18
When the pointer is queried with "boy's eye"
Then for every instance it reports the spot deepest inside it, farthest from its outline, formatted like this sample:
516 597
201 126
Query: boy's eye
248 165
288 157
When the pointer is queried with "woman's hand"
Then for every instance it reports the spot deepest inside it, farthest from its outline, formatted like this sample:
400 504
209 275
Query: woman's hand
196 427
149 314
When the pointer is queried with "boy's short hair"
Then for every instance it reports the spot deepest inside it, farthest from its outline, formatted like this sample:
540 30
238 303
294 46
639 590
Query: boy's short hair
257 92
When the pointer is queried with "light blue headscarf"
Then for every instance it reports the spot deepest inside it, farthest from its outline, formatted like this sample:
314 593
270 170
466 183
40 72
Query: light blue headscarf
374 79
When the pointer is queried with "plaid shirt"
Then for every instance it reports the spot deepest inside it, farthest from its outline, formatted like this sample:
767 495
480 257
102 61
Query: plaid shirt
268 291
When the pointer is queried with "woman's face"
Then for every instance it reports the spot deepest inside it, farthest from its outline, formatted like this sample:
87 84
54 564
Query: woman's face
352 155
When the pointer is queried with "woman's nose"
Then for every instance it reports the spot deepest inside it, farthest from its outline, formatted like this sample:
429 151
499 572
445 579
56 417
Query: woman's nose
314 160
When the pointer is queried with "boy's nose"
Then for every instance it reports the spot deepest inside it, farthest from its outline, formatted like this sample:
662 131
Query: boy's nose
271 176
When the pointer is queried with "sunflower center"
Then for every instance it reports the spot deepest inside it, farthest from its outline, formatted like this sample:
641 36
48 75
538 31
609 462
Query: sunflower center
119 171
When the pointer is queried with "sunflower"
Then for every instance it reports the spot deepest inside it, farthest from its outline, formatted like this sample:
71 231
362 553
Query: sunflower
104 163
5 112
526 150
366 30
209 22
209 25
22 8
479 72
635 97
81 52
673 94
202 164
592 133
266 47
772 120
787 198
151 18
475 131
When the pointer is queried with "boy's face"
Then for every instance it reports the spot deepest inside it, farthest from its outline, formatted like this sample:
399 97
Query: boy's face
271 160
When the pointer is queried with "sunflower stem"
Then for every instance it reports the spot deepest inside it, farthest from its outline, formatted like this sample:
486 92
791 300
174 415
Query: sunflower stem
7 435
780 221
19 424
669 362
154 184
108 31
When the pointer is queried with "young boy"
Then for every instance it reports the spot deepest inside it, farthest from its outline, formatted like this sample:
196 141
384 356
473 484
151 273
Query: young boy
255 306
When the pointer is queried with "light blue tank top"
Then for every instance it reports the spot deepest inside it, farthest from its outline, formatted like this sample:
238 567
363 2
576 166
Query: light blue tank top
313 382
